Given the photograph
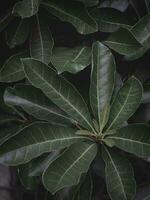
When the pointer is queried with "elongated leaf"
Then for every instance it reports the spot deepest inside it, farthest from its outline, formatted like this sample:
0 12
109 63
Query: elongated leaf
59 90
35 140
117 4
41 163
73 12
119 176
126 102
5 20
89 3
71 60
110 19
26 8
133 139
123 42
27 181
17 32
67 169
8 130
102 80
84 190
12 70
141 30
137 54
41 42
34 102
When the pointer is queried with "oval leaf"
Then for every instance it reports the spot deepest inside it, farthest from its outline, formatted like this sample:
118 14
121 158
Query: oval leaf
102 80
26 8
123 42
67 169
17 32
35 140
12 70
126 102
73 12
59 90
71 60
41 42
34 102
119 176
133 139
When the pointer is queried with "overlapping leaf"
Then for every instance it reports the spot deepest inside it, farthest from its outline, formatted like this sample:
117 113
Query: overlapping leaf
71 60
59 90
117 4
35 140
126 102
72 12
34 102
12 70
133 139
67 169
89 3
26 8
123 42
17 32
141 30
119 176
102 80
110 19
41 42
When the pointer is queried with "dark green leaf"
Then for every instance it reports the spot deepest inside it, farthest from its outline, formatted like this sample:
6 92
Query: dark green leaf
119 176
133 139
117 4
34 102
71 60
89 3
141 31
102 80
27 181
143 192
147 2
17 32
67 169
41 42
126 102
73 12
59 90
26 8
110 19
123 42
35 140
12 70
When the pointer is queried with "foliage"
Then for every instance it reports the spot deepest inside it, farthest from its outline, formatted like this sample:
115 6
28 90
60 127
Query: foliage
55 127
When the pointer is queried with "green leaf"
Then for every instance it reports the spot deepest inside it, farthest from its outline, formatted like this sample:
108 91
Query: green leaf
137 54
117 4
143 192
7 130
41 42
12 70
123 42
29 182
71 60
89 3
72 12
134 139
34 102
26 8
141 31
110 19
119 176
67 169
41 163
17 32
59 90
102 80
126 102
35 140
5 20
